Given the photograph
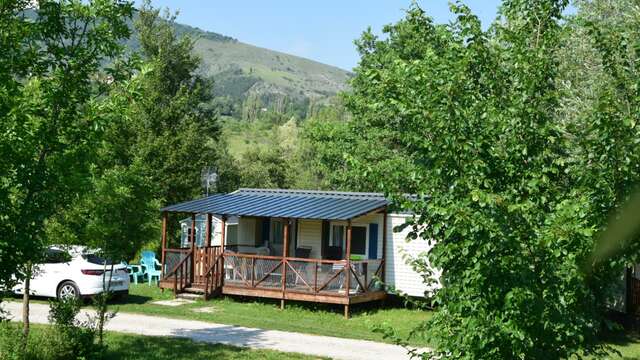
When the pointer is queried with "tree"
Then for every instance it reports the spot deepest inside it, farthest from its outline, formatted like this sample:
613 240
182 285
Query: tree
176 132
51 77
280 159
122 216
161 132
511 190
265 167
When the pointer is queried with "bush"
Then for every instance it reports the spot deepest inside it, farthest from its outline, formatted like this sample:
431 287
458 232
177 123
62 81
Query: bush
68 338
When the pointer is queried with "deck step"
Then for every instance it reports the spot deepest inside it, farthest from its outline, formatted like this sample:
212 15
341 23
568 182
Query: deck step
193 290
190 296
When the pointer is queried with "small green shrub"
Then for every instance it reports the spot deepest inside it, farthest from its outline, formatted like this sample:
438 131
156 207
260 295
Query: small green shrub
68 338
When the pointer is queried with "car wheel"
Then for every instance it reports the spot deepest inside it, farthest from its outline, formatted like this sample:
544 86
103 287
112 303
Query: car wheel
68 290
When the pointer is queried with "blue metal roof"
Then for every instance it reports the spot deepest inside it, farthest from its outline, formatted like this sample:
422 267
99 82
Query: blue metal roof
301 204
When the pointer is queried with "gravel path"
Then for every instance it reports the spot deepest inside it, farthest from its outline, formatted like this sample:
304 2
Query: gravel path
336 348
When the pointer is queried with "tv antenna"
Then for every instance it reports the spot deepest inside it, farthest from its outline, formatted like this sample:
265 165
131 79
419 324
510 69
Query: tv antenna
209 178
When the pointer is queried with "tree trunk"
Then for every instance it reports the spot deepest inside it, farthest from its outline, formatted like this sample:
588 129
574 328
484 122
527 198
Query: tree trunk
102 305
25 305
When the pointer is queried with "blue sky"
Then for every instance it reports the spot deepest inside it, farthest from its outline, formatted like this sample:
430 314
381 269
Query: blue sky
322 30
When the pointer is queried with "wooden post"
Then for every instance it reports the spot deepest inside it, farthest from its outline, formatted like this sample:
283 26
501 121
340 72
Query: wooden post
629 308
223 240
285 253
207 251
164 241
285 239
315 277
223 231
193 246
208 231
384 247
347 269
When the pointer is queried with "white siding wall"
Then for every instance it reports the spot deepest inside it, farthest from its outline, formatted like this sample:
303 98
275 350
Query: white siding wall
398 272
310 234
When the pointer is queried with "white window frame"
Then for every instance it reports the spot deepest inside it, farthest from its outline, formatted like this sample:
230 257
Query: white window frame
344 234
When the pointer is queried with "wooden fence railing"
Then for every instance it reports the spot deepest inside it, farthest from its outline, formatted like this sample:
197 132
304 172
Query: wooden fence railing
204 260
201 267
312 276
213 280
180 273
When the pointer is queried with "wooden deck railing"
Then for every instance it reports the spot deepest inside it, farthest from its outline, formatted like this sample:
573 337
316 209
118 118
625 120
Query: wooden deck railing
213 274
209 268
171 258
204 260
180 273
310 276
188 267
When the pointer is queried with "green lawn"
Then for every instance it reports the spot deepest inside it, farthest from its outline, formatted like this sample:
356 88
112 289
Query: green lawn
298 317
308 318
627 344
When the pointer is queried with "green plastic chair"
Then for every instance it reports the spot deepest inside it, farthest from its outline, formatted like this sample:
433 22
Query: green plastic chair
135 272
150 265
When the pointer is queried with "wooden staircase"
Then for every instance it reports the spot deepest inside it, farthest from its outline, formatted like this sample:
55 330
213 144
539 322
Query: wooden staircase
192 293
197 273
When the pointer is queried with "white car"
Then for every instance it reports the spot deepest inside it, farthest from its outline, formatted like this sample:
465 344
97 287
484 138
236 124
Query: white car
74 272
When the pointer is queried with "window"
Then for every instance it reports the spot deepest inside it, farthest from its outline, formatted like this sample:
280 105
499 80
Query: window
54 256
337 235
95 259
359 240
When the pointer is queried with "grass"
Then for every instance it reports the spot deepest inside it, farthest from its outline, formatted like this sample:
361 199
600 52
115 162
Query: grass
301 317
243 135
126 346
297 317
313 318
318 319
628 344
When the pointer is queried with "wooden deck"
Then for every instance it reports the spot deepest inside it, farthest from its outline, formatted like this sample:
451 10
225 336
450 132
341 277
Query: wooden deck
214 272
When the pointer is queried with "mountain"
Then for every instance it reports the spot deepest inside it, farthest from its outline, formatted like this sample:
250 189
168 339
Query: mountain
241 70
270 80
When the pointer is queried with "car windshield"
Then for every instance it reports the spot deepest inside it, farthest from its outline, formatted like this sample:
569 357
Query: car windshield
95 259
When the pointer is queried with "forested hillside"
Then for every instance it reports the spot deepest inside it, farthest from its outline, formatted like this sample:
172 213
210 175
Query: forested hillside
250 79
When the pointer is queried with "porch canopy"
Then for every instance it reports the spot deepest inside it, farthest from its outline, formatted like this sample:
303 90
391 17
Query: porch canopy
296 204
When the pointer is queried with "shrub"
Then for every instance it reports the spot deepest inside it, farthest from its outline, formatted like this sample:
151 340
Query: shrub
68 338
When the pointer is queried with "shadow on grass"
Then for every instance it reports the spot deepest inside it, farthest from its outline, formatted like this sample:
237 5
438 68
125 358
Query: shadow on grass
132 299
624 341
161 348
122 346
367 308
